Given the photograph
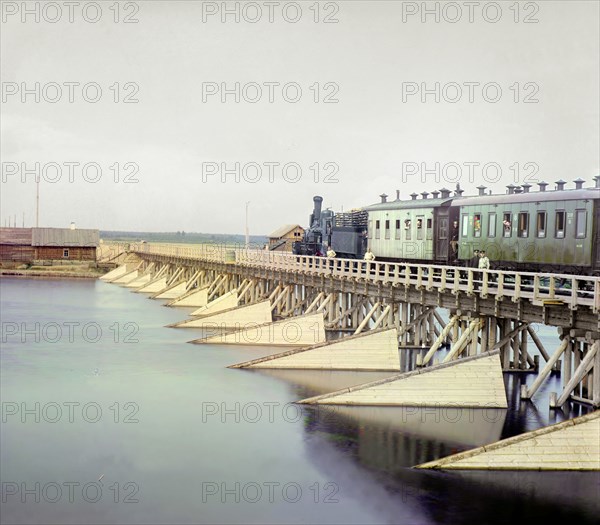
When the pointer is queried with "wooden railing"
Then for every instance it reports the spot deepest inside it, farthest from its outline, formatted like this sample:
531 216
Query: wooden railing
540 288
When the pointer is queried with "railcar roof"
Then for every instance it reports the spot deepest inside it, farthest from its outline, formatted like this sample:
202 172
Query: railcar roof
410 204
475 200
536 196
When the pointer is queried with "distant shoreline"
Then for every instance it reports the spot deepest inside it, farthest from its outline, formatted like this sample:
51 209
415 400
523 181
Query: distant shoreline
45 273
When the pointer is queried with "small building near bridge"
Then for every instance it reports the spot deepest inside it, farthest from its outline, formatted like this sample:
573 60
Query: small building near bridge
48 245
283 238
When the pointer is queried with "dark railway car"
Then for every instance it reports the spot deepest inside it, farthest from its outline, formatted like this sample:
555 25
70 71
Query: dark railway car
349 234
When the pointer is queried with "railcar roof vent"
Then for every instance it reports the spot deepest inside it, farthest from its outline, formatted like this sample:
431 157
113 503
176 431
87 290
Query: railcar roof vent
425 194
542 185
511 189
481 190
435 194
560 185
446 192
397 195
518 189
526 187
414 196
597 179
579 183
383 197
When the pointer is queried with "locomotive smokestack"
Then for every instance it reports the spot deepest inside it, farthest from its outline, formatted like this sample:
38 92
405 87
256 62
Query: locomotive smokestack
560 185
316 216
397 195
383 197
481 190
526 187
542 185
579 184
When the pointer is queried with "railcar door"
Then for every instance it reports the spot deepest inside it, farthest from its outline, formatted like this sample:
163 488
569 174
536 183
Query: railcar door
442 240
596 231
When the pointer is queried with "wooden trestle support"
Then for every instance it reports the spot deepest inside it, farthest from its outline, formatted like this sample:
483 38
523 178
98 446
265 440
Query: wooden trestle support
423 333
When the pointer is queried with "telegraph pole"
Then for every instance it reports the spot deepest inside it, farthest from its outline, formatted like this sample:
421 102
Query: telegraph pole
247 231
37 204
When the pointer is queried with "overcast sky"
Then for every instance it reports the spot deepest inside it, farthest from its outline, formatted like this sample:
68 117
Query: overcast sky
370 61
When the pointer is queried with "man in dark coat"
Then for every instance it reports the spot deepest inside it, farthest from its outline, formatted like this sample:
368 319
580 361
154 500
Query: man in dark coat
454 241
474 263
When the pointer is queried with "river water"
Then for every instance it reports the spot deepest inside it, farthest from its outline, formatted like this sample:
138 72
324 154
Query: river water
110 417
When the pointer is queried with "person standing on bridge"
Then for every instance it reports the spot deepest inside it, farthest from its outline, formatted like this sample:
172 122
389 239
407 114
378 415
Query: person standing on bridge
330 255
484 262
454 241
474 263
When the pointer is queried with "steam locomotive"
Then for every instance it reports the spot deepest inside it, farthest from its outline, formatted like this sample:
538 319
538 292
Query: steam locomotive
540 231
345 233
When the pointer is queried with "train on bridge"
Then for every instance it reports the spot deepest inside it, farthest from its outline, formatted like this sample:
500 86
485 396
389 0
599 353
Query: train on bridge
556 231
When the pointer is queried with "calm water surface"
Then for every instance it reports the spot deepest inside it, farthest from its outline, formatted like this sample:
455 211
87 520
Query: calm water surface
109 417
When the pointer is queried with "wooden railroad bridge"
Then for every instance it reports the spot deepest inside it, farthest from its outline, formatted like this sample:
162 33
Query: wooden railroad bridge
435 310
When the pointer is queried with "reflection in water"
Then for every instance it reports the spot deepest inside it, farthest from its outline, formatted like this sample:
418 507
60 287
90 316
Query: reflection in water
305 382
388 441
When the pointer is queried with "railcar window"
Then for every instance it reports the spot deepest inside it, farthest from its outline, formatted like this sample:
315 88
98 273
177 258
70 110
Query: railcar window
429 229
580 223
377 229
408 229
443 228
541 224
492 225
387 229
523 229
477 225
419 228
560 225
506 225
465 226
398 229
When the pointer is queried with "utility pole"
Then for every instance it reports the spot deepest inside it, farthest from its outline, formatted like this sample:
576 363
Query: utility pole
37 204
247 231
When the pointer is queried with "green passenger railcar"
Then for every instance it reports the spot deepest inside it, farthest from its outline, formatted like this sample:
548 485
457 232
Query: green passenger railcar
541 231
413 230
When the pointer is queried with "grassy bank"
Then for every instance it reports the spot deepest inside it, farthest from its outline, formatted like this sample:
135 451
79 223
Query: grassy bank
82 271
